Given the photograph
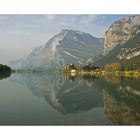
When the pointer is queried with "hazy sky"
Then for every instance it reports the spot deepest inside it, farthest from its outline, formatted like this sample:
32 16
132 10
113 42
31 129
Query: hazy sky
19 34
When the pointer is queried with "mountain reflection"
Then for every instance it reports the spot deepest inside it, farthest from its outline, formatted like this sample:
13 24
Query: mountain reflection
122 100
119 96
67 94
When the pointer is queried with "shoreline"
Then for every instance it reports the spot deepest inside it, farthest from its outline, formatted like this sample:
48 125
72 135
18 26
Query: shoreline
134 73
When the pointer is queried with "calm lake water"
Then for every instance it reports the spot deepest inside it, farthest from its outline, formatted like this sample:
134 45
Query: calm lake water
54 99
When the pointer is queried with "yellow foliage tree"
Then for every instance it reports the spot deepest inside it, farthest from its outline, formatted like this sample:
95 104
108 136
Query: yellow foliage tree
112 67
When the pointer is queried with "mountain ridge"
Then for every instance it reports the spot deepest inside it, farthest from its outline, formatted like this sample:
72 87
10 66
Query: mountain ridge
68 46
119 47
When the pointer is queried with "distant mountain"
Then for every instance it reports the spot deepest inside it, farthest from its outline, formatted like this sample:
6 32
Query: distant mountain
66 47
122 43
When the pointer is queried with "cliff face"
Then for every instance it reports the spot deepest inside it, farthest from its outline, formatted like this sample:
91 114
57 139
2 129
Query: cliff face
122 43
120 32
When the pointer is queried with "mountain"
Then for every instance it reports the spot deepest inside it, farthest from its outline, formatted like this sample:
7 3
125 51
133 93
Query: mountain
122 42
66 47
120 32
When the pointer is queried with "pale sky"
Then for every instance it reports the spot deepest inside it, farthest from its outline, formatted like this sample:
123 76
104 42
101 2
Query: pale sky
19 34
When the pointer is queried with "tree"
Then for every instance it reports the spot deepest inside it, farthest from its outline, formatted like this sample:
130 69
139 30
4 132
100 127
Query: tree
112 67
4 68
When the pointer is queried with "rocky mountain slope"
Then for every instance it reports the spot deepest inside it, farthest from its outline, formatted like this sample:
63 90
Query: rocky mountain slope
122 42
120 32
66 47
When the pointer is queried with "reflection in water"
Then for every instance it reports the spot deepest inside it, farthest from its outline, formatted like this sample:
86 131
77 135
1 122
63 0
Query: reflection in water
67 94
119 96
121 102
112 79
5 75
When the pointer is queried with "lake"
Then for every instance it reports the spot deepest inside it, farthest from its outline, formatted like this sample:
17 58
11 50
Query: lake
55 99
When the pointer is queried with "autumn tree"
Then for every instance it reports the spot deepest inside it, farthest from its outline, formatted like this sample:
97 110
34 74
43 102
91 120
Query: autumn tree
112 67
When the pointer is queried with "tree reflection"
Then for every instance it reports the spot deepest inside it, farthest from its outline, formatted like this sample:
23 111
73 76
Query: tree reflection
4 75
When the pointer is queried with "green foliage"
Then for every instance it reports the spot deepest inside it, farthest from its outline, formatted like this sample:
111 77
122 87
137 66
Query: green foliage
130 67
90 67
4 68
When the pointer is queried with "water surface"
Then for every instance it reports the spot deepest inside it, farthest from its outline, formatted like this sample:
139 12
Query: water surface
55 99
